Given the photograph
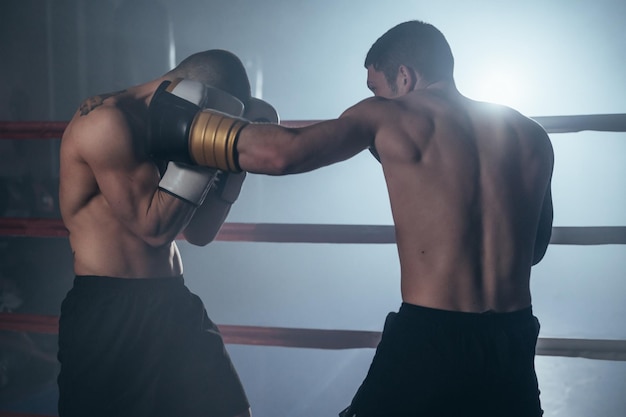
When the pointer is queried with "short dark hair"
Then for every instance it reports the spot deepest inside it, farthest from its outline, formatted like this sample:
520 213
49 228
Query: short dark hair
414 44
217 68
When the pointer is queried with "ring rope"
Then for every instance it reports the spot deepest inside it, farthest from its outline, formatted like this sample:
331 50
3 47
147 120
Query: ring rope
313 233
317 233
552 124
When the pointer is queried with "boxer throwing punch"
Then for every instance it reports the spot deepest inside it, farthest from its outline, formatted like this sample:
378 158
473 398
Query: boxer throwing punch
133 340
469 187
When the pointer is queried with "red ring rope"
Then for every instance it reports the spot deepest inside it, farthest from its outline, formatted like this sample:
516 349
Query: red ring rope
552 124
315 338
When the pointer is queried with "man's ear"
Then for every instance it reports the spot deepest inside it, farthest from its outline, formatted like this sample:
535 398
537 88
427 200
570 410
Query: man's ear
407 79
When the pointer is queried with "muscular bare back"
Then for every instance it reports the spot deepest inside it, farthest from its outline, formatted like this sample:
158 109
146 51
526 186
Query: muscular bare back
120 223
468 184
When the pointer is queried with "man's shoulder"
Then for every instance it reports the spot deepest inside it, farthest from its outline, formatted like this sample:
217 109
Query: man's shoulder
372 109
100 101
100 113
525 124
99 127
528 131
501 113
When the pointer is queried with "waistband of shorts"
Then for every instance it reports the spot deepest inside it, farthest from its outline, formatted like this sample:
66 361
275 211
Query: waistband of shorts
412 310
110 283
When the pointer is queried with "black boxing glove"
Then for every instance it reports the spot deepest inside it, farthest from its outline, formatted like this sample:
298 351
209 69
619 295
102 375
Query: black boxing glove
184 98
180 131
228 184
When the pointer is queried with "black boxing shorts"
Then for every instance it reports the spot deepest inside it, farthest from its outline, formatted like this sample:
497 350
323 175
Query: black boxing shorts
142 347
433 362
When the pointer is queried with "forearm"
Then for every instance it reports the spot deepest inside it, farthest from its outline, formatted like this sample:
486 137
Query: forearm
165 218
170 206
264 149
232 144
277 150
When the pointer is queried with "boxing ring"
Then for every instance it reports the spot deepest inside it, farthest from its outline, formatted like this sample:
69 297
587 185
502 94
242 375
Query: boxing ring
598 349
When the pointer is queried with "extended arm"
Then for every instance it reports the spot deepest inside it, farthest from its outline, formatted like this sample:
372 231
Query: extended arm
215 139
209 218
277 150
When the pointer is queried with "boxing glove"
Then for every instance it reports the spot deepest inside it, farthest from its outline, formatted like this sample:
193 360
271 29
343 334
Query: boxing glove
188 182
174 119
259 111
228 184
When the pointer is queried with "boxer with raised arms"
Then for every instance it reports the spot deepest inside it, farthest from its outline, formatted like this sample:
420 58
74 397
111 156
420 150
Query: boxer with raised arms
470 190
133 340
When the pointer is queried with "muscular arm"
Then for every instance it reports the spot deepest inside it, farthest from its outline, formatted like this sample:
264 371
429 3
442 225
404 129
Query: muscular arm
126 178
276 150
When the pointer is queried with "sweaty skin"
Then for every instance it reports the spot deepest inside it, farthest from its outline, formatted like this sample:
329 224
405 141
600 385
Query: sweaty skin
468 183
121 224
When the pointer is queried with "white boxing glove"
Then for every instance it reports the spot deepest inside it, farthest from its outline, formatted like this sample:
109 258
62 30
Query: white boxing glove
206 97
188 182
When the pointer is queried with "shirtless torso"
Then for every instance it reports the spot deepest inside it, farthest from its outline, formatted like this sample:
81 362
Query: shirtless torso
468 182
469 187
121 224
129 317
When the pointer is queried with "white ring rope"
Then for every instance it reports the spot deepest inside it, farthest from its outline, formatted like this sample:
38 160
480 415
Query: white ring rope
314 233
552 124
